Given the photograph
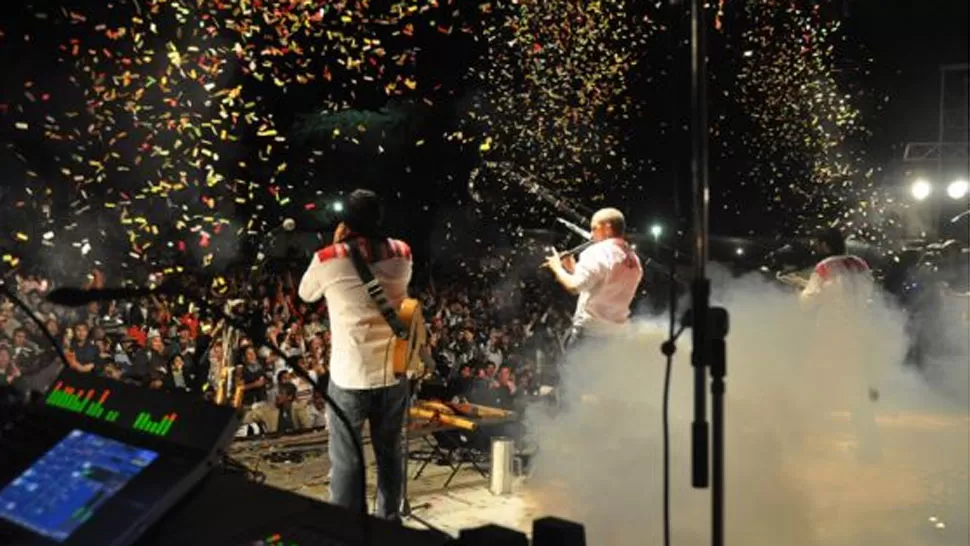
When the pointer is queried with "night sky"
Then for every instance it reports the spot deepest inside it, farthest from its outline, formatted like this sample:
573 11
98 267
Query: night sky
265 113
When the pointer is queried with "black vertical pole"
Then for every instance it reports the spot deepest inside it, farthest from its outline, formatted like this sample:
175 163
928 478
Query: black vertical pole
700 288
709 325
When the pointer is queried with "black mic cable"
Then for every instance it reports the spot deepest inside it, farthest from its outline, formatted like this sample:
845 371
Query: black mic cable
78 297
669 347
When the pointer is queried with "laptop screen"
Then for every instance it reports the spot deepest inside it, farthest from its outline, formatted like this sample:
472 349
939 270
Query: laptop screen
68 485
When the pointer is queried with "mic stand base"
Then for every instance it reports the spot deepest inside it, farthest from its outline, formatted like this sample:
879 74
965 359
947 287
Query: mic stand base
718 369
713 357
406 511
717 330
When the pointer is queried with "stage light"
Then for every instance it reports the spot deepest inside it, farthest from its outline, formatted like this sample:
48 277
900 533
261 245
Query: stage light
739 251
921 189
958 189
338 206
656 230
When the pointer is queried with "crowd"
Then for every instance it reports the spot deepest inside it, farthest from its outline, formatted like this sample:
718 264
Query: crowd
492 342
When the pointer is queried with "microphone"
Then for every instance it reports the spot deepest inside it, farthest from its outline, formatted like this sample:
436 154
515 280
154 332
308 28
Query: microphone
288 226
77 297
575 229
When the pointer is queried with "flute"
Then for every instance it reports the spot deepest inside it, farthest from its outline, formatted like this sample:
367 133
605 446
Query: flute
575 250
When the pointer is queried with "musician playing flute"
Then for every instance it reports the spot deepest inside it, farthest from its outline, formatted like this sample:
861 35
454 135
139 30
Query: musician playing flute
606 277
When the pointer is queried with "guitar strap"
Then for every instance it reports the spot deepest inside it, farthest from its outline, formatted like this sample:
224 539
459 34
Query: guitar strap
375 290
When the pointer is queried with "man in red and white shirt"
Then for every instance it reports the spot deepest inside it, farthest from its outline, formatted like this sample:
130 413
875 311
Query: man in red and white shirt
839 291
839 277
606 278
362 381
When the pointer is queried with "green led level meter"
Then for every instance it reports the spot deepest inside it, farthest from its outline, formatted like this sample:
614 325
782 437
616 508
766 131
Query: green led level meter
90 404
161 427
81 401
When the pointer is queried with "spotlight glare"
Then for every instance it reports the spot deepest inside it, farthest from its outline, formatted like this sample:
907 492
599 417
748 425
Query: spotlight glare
958 189
739 251
656 230
921 189
338 206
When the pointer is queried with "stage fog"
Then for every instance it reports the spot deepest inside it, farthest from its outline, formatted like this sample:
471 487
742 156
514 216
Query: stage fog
812 459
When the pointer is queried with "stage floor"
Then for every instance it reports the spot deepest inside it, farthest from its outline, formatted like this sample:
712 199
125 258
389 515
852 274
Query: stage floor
466 502
920 505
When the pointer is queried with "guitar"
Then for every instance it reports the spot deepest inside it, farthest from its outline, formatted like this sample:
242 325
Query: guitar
407 321
406 353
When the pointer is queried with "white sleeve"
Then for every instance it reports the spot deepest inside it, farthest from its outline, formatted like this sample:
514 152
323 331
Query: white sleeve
813 288
312 285
590 270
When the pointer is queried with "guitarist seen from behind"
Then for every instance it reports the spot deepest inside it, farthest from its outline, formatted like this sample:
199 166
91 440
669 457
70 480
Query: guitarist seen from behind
362 379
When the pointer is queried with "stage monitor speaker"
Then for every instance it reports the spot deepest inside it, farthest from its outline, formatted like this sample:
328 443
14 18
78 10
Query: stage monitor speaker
492 535
551 531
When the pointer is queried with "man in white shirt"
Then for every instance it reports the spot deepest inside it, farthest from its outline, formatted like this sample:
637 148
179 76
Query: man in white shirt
362 381
606 278
838 291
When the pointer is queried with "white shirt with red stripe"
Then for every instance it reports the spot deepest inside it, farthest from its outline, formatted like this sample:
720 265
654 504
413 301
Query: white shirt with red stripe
361 339
843 278
607 275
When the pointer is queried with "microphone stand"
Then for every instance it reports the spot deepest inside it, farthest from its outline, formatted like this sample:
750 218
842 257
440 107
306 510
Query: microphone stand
709 324
406 508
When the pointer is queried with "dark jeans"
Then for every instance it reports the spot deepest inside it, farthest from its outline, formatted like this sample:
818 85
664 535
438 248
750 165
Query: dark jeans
383 409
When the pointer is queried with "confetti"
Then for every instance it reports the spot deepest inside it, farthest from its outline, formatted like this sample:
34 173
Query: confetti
806 150
180 86
556 80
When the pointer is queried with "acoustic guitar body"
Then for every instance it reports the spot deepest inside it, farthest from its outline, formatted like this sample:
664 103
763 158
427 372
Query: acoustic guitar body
406 353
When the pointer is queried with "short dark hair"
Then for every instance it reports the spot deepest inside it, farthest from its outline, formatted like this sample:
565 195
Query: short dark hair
288 389
833 238
364 212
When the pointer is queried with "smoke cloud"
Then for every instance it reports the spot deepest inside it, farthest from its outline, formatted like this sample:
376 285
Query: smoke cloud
811 459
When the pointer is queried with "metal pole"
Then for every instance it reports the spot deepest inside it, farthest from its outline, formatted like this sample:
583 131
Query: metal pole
699 136
709 326
935 205
699 287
